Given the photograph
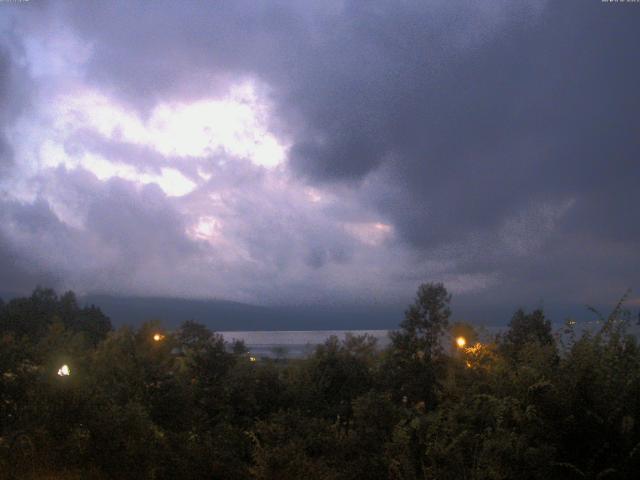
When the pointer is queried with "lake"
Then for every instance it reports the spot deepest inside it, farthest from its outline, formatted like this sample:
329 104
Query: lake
295 344
299 343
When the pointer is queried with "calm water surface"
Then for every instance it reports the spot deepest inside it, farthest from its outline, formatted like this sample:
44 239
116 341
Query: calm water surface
295 344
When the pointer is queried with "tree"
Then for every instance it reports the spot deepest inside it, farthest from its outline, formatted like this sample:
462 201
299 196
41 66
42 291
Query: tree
532 328
426 320
338 373
238 347
416 349
32 317
193 335
207 362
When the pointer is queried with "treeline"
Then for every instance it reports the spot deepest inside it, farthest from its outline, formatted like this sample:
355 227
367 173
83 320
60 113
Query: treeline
150 404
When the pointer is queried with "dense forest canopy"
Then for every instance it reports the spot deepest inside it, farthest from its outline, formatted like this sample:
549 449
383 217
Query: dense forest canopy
79 399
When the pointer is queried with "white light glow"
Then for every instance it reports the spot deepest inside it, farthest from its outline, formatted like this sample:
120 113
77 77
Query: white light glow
207 228
170 180
64 371
235 125
370 233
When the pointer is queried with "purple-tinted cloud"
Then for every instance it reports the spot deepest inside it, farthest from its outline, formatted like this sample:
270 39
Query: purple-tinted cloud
288 152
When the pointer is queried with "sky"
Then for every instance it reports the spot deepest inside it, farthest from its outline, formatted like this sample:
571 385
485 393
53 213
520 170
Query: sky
322 152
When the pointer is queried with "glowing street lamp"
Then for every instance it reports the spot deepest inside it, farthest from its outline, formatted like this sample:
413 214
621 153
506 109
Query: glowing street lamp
158 337
64 371
252 359
461 342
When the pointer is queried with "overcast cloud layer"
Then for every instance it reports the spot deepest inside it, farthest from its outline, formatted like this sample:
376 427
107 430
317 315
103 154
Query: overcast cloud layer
289 152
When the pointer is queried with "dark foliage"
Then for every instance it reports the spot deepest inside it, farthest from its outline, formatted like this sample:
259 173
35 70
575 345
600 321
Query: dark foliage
150 404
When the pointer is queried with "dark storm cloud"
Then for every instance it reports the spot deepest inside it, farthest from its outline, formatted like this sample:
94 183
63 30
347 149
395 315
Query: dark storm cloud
16 272
6 152
478 109
118 236
362 80
499 139
14 87
128 235
544 113
19 272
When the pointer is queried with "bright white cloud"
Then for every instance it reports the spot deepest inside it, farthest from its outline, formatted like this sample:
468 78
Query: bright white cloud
206 228
235 125
232 127
172 181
